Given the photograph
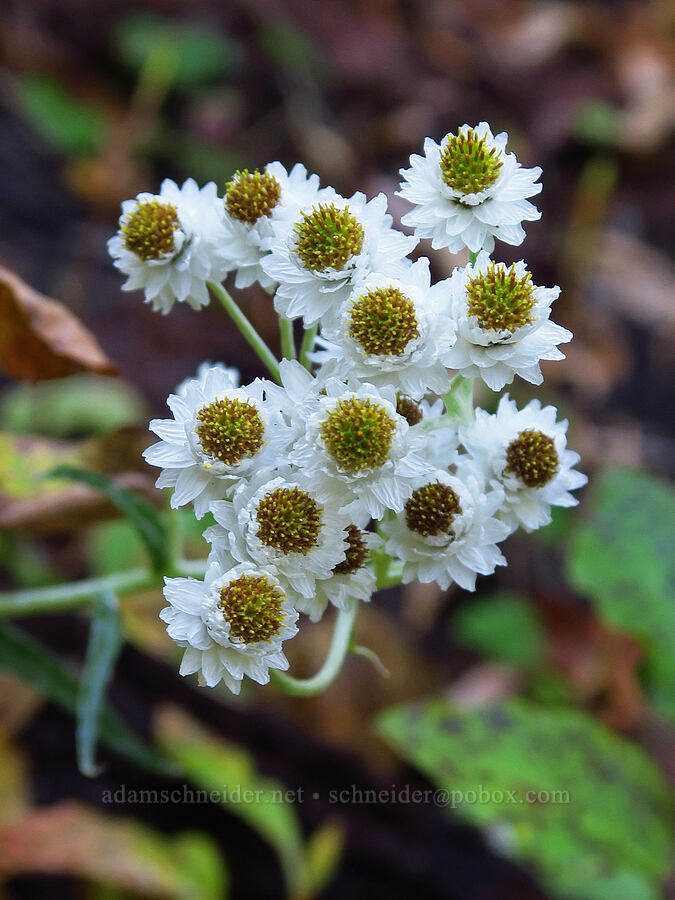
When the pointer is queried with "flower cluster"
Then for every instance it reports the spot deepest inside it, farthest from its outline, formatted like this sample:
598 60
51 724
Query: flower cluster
366 457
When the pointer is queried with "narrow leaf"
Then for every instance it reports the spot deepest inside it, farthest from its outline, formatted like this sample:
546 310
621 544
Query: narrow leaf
39 668
145 519
105 641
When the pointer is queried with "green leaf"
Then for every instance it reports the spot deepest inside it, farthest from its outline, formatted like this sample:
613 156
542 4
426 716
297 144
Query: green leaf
140 513
502 626
71 126
229 771
622 559
291 49
105 642
39 668
197 54
599 814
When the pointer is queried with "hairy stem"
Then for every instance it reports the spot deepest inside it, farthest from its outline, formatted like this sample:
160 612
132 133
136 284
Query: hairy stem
308 687
248 331
307 346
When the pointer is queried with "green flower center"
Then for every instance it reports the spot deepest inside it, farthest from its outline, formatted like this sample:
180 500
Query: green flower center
500 300
148 231
533 458
431 509
358 434
252 605
355 554
327 238
289 520
251 195
410 410
230 430
383 322
467 165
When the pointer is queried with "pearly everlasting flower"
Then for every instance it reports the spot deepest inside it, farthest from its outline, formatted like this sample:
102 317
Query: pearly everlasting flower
358 454
448 531
319 252
219 434
231 624
274 521
253 200
389 332
525 451
352 579
468 190
502 321
170 244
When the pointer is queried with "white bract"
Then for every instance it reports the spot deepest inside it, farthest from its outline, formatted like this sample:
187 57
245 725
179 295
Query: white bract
319 252
390 332
170 244
447 531
276 522
358 454
525 451
468 190
253 201
231 624
219 434
502 321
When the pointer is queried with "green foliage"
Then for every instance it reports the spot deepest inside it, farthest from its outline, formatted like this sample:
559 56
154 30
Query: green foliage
196 54
145 519
502 626
606 833
113 547
71 406
34 664
216 765
105 642
597 122
623 560
71 126
291 49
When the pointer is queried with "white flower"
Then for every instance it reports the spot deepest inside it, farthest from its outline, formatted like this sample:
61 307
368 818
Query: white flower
318 253
232 624
502 321
358 454
252 202
526 452
467 190
274 521
219 434
448 530
170 244
202 376
352 579
390 332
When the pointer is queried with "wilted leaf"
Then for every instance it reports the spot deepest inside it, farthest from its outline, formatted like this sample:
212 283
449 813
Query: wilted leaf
41 338
216 765
622 559
502 626
589 811
72 839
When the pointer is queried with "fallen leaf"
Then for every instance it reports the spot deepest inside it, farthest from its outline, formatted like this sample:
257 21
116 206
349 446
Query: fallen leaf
40 338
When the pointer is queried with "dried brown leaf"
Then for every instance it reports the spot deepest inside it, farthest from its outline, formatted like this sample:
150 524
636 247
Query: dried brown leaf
40 338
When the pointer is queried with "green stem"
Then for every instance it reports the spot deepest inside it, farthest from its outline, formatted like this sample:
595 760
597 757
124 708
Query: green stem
68 596
472 257
308 687
307 346
248 331
287 342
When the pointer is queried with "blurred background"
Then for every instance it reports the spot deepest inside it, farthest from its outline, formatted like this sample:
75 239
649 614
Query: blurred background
558 675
